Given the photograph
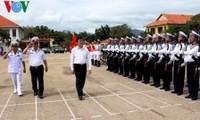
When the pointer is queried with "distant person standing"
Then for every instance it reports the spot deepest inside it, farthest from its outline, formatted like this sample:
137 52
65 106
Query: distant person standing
16 61
1 51
79 57
36 59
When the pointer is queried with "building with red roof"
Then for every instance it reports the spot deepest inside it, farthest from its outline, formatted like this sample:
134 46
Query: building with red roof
164 21
16 31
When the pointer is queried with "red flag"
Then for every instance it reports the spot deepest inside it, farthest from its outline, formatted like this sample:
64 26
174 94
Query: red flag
73 43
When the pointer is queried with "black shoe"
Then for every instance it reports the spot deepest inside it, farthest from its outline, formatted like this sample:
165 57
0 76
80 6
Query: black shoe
179 93
130 77
125 75
40 96
157 86
80 97
173 92
188 96
194 98
120 73
152 84
35 94
84 94
167 89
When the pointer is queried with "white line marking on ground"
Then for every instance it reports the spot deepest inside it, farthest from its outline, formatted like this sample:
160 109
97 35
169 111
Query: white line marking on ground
146 109
156 99
127 87
135 104
77 119
153 98
96 116
36 110
122 98
113 114
67 105
133 111
34 103
178 105
5 105
192 102
99 104
164 106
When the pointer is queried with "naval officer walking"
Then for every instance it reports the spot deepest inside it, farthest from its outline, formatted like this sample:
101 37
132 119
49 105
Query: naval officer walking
36 59
16 61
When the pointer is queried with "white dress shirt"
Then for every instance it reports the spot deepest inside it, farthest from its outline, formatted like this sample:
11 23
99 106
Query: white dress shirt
80 56
15 62
36 58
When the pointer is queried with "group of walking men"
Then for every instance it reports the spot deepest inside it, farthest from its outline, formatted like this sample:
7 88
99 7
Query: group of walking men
161 57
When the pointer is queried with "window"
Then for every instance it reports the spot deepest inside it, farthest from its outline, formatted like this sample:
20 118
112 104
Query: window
14 33
160 30
152 30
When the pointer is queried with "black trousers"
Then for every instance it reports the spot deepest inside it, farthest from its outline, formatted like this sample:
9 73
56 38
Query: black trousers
193 81
178 78
140 68
132 68
147 72
126 67
120 65
158 73
80 73
37 73
115 64
167 77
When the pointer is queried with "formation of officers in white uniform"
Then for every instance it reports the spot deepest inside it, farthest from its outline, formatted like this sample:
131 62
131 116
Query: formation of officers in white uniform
161 57
95 52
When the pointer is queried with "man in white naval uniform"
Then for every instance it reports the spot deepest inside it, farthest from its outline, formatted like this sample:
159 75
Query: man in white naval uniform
177 58
16 61
36 60
192 74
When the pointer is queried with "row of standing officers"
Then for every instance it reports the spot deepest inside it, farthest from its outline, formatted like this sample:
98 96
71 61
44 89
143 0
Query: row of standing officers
160 57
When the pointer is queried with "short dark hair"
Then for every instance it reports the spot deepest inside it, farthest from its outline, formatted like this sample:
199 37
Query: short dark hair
78 37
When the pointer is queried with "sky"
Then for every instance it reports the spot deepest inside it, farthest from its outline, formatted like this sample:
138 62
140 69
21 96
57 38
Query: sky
87 15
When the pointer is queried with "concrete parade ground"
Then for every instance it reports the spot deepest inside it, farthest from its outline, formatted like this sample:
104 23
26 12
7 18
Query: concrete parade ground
109 96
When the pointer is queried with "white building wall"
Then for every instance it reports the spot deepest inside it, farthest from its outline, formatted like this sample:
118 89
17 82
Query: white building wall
19 36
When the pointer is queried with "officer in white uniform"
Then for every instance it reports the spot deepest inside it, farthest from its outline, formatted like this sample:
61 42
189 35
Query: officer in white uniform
177 58
192 72
167 74
36 60
98 53
139 62
16 61
147 65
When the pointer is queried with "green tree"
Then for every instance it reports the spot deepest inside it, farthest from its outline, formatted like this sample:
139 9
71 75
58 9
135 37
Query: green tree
103 32
120 31
5 37
176 28
194 23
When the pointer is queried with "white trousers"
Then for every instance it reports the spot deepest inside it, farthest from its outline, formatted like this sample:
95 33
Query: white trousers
98 55
92 56
17 83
